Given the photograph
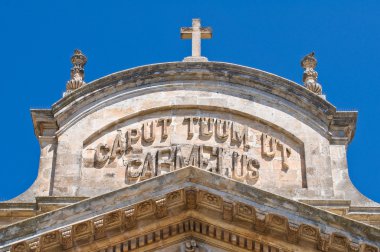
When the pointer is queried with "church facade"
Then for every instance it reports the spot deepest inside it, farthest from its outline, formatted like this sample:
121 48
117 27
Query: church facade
192 156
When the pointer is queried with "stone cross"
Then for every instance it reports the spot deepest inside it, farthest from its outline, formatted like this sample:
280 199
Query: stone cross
196 33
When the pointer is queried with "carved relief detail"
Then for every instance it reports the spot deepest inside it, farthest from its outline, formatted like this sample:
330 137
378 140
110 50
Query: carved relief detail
130 218
228 210
245 211
219 146
174 197
323 242
293 233
206 128
82 228
239 136
66 238
339 240
353 247
49 238
222 129
244 167
132 136
113 218
269 147
76 81
191 199
148 132
261 223
101 154
144 208
161 208
277 221
309 232
34 246
165 122
211 200
99 228
20 247
190 245
368 248
310 76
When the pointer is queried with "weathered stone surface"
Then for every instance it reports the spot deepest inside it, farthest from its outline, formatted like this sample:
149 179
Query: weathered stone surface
237 205
191 151
289 148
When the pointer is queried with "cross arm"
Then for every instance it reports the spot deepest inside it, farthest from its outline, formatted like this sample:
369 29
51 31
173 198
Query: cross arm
186 32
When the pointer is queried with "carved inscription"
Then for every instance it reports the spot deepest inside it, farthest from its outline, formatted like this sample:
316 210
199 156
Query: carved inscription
270 146
158 146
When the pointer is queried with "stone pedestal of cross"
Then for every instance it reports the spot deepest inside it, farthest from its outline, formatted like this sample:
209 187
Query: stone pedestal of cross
196 33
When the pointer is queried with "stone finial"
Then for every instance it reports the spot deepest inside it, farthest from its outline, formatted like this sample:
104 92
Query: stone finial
77 72
310 76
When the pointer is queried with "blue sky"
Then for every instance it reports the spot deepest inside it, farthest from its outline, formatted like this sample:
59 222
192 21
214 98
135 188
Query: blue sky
37 40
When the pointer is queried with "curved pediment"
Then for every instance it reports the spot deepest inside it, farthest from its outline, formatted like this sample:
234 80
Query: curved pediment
181 75
240 122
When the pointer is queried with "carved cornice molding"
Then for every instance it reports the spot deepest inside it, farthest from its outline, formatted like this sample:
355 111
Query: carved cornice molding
206 71
189 212
158 74
45 125
343 126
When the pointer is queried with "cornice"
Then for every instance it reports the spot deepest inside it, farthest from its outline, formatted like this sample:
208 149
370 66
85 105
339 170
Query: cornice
200 196
146 76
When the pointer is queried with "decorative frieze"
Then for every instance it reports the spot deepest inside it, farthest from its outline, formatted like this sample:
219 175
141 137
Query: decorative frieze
339 241
174 197
66 238
353 247
99 228
246 212
113 218
228 211
368 248
161 208
191 199
34 245
278 222
210 200
261 223
130 218
144 208
308 232
221 210
82 228
323 242
49 239
293 233
20 247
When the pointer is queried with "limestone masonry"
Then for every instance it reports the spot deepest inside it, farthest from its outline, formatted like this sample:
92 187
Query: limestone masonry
192 156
